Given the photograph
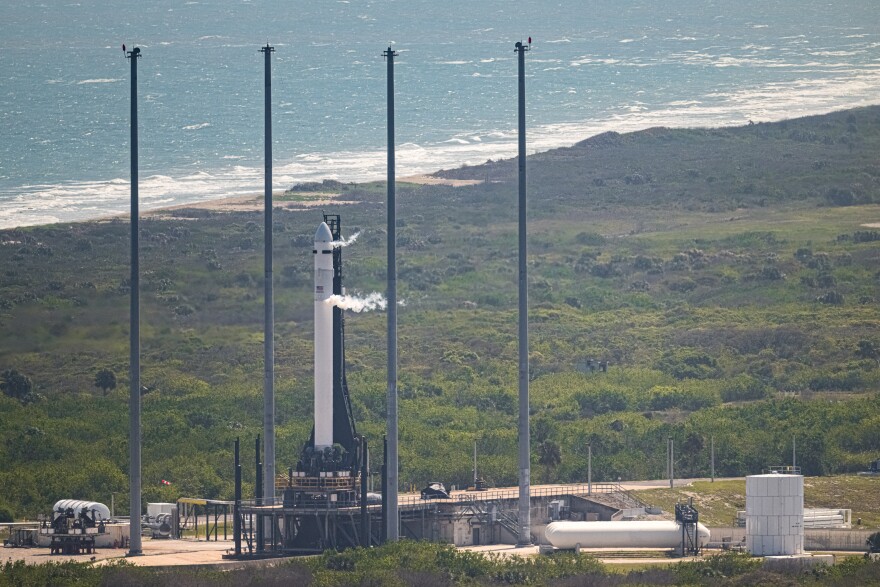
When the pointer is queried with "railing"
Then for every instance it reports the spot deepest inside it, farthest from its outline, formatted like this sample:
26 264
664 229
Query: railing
415 501
536 492
630 500
782 470
333 481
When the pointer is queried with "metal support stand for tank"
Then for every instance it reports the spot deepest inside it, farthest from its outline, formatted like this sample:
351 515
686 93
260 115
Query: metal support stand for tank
687 516
873 544
259 496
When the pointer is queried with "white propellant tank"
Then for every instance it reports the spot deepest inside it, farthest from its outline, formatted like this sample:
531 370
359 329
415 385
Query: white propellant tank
635 534
775 514
102 512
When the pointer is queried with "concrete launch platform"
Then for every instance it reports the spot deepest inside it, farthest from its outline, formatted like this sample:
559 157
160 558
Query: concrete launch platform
156 553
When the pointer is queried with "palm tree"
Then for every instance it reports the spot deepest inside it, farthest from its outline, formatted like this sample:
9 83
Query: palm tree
549 457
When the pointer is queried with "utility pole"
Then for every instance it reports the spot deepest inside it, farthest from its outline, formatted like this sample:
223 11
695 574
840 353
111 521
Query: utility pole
525 517
268 302
671 462
475 464
712 459
392 520
134 401
793 453
589 468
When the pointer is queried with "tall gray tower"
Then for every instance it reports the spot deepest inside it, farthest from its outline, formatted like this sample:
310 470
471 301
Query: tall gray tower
134 401
391 466
268 303
525 517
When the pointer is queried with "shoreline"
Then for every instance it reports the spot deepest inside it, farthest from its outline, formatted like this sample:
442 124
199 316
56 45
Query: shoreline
254 202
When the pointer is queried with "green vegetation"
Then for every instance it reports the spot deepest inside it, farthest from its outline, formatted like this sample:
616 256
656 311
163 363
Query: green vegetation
726 276
426 565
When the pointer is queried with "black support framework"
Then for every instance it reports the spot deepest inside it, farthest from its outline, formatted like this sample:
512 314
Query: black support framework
688 516
344 431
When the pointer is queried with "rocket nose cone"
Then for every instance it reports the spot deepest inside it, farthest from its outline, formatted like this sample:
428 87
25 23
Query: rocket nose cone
323 235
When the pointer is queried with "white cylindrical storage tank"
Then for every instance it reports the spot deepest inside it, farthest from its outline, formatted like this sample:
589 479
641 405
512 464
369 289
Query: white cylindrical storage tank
102 512
635 534
775 514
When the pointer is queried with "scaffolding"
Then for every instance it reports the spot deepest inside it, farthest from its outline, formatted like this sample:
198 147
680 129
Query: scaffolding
688 516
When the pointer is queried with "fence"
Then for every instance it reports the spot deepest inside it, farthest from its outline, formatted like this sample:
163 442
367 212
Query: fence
814 539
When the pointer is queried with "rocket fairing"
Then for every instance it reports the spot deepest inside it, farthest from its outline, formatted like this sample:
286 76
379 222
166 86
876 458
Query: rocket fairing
324 364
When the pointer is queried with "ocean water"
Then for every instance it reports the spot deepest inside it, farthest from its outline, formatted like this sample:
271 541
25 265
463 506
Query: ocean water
595 65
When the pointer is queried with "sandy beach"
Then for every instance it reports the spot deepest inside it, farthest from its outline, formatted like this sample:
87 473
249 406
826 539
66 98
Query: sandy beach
302 201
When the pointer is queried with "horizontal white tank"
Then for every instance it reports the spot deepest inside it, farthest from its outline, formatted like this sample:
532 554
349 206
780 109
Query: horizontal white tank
102 512
635 534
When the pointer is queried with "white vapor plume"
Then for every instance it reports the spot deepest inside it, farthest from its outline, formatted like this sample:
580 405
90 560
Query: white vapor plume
345 242
374 301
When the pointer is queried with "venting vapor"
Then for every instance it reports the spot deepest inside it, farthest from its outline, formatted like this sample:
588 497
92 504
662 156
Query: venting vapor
374 301
345 242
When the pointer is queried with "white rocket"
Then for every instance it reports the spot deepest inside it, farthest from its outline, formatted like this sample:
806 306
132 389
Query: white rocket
323 337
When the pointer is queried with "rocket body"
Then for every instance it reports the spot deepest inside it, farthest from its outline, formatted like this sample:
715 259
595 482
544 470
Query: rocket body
323 253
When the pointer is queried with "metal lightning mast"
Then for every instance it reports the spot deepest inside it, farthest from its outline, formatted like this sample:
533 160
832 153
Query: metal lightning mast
525 519
134 405
392 523
269 305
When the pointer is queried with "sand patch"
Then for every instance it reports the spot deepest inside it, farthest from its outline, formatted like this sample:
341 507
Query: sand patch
254 203
432 180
